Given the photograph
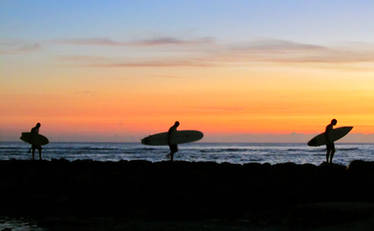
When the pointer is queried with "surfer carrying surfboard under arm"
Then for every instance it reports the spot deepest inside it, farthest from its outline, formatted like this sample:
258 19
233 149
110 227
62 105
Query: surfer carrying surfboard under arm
35 132
330 146
173 147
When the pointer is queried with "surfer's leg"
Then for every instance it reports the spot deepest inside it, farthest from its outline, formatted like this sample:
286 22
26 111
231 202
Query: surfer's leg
33 153
40 153
171 150
327 153
172 156
331 156
332 152
174 149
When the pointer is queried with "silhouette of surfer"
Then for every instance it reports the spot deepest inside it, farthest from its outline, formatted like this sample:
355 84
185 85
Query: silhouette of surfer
173 147
330 146
35 132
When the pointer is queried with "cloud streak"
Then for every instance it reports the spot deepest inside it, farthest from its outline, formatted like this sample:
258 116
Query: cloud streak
266 45
161 41
94 61
281 51
209 54
156 63
17 47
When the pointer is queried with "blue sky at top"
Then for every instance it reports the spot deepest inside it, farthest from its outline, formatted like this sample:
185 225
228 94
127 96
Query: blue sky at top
314 21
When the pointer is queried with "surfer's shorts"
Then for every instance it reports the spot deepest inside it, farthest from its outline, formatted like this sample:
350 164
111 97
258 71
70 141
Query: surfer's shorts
330 146
173 147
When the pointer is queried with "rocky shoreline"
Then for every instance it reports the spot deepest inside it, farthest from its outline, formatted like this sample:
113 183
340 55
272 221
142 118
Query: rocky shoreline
186 191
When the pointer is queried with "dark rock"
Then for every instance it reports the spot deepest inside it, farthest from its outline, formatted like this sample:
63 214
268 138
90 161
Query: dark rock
177 190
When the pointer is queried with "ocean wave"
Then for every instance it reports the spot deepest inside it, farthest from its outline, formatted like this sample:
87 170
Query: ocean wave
305 150
80 149
295 150
100 149
11 148
226 150
254 160
348 149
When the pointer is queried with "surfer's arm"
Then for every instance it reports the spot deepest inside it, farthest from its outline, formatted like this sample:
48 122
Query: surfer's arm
169 137
327 135
171 132
32 132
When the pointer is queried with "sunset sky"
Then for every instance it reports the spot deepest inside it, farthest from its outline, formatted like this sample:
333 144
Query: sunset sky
246 71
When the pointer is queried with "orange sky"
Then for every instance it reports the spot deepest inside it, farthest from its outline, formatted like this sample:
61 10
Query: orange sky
228 99
249 70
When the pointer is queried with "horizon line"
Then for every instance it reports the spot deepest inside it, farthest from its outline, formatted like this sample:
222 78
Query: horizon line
223 142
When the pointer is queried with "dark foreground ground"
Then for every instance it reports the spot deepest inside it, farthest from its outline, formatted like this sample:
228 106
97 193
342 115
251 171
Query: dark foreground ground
140 195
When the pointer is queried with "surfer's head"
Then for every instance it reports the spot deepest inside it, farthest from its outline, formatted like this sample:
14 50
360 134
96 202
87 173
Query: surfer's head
38 125
334 121
176 123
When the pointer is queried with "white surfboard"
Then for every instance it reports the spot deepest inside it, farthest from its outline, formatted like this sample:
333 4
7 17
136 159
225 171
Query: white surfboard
336 134
180 137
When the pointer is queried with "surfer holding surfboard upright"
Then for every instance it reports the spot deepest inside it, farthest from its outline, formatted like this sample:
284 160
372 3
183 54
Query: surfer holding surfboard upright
34 132
173 147
330 146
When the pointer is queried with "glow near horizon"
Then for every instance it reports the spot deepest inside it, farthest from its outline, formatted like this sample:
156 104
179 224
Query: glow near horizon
132 69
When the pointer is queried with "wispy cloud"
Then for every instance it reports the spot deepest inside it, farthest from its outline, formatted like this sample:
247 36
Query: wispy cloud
94 61
213 54
161 41
90 42
281 51
83 59
160 63
266 45
328 57
173 41
17 47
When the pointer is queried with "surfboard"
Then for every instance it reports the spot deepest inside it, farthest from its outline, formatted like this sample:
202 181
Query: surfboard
336 134
36 140
180 137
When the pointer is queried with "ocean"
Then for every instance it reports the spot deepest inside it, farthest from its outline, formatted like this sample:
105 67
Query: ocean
237 153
